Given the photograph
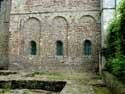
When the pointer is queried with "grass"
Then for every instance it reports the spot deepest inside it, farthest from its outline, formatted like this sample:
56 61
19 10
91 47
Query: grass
102 90
61 76
6 91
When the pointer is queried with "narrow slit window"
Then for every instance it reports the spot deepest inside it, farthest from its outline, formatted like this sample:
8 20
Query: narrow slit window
59 48
33 48
87 48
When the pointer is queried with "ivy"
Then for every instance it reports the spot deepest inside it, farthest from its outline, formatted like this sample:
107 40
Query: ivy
121 8
114 53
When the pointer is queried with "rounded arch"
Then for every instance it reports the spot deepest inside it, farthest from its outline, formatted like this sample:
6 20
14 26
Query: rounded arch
87 23
60 17
32 24
28 18
87 18
87 47
59 41
60 23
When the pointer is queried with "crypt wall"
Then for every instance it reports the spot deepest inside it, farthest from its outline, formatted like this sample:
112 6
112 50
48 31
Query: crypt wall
45 22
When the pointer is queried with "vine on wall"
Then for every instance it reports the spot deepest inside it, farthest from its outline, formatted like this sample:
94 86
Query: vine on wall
115 53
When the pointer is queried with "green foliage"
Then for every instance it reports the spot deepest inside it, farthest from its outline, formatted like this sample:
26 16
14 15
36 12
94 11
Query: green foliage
113 38
121 7
114 54
6 91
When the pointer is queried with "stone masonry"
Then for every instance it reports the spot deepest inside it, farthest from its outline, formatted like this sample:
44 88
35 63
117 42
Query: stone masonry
4 34
48 21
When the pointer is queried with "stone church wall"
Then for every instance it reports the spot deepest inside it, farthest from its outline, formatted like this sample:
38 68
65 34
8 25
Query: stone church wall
49 21
4 28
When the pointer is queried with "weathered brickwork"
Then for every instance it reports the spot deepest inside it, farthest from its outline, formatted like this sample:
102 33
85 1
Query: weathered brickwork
49 21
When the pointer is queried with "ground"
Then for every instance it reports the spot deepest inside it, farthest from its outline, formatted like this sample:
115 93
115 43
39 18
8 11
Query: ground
77 83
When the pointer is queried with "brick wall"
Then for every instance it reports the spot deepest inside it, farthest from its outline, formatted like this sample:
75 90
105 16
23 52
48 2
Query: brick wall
47 21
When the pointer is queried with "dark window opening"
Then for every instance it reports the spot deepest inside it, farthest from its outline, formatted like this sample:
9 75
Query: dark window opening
59 48
87 48
1 1
33 48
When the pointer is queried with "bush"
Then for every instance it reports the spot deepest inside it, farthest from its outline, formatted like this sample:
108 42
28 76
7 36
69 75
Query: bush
114 55
113 38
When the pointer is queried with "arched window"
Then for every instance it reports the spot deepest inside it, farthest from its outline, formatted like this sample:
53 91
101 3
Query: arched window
59 48
33 48
87 47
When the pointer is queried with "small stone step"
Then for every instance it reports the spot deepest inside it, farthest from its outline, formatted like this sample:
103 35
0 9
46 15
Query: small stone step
7 72
52 86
